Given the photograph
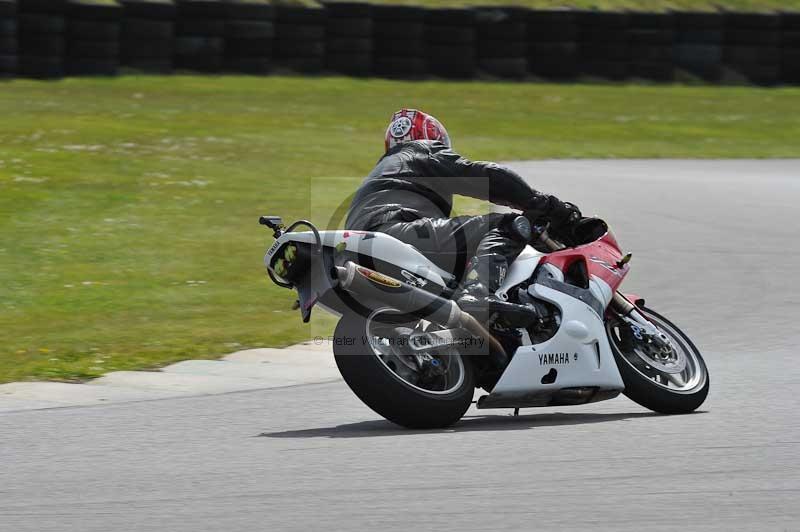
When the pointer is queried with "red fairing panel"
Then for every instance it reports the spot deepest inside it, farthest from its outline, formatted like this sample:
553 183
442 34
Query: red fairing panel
601 258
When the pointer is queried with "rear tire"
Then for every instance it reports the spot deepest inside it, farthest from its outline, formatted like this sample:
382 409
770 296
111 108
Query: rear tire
648 392
386 392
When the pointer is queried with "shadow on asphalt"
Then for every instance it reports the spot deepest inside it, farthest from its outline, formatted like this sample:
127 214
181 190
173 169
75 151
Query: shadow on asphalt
480 423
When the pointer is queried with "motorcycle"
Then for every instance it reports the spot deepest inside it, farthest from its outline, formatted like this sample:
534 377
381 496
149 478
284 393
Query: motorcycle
407 350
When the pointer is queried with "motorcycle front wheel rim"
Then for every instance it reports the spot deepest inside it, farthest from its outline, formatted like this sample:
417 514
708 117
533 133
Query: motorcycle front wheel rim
691 378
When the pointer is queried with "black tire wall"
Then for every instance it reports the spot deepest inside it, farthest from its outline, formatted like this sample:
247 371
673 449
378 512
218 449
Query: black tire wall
200 35
752 51
300 45
249 37
553 44
790 48
399 47
651 39
41 30
698 45
147 36
603 45
9 45
451 43
93 32
502 42
348 34
51 38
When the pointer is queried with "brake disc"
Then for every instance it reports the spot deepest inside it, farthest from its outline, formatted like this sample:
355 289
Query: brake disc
658 353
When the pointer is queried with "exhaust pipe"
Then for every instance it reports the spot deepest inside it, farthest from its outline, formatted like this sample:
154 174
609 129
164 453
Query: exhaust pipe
415 302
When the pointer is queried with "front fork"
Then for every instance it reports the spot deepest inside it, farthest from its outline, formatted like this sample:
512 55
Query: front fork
642 327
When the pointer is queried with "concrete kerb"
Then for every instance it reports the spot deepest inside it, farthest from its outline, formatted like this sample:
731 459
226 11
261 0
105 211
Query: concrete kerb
252 369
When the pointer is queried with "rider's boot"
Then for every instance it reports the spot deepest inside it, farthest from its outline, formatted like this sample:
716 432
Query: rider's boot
485 274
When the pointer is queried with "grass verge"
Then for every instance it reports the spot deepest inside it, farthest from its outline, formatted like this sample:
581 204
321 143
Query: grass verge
615 5
128 206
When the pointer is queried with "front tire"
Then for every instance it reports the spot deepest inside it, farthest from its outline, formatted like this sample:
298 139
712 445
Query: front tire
382 376
664 384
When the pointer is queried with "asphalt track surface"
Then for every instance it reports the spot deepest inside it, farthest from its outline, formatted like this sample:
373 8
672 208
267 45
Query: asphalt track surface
715 248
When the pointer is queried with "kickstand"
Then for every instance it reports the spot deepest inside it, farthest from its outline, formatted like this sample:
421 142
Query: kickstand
516 412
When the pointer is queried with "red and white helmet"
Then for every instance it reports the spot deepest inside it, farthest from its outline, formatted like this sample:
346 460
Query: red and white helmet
410 124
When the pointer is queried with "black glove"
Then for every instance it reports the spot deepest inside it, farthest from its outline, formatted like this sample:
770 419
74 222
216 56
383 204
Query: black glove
563 217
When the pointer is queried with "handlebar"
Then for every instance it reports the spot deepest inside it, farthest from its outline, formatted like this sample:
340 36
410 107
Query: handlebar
584 231
553 245
544 237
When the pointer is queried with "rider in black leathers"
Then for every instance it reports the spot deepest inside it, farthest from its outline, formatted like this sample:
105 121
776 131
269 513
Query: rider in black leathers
409 195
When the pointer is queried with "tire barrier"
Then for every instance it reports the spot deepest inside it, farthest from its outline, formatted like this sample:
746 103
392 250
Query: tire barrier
300 45
399 41
698 45
603 45
450 41
199 35
51 38
502 42
93 39
147 36
552 44
651 37
348 33
41 30
752 51
8 39
790 47
249 37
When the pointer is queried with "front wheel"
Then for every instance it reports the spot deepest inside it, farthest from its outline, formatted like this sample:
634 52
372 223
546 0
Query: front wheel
666 374
420 391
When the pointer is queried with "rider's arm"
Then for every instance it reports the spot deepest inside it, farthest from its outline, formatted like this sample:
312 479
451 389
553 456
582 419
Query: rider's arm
491 182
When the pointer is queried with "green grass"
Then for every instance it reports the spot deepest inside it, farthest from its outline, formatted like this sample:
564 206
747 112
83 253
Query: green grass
128 206
638 5
609 5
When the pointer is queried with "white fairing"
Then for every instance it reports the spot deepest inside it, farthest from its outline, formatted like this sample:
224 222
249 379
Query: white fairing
601 290
376 245
579 353
519 271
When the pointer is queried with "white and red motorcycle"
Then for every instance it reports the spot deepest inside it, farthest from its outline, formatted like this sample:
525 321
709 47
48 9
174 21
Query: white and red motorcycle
408 351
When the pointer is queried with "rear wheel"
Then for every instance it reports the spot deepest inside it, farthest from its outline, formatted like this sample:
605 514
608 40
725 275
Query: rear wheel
665 372
429 390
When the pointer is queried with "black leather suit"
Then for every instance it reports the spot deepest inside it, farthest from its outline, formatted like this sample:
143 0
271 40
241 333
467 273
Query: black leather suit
409 195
